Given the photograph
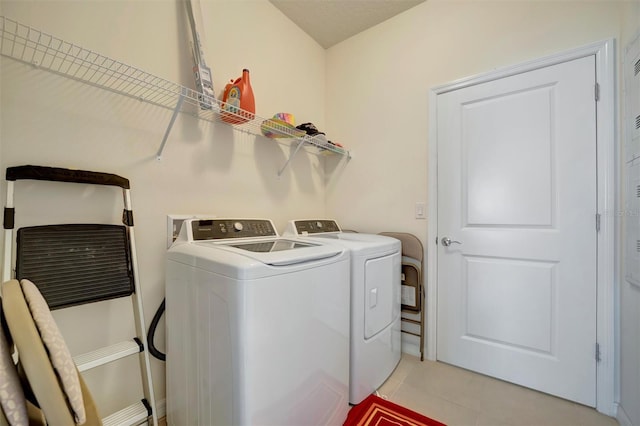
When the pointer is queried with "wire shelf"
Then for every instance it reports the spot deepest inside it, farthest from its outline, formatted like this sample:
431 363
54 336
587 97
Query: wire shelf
42 50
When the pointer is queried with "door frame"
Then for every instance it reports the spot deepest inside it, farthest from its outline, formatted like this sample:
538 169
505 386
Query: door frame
607 158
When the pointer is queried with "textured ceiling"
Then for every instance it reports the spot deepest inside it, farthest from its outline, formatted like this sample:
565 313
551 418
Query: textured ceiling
332 21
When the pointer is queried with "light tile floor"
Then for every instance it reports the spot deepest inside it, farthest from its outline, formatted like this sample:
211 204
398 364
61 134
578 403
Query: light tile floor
459 397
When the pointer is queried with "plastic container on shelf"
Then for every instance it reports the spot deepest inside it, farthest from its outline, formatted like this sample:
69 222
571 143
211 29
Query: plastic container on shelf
238 103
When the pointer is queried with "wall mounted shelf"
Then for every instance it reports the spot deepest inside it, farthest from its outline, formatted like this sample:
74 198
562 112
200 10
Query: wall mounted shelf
34 47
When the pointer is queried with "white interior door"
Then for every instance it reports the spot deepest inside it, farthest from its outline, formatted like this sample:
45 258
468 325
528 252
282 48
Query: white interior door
517 197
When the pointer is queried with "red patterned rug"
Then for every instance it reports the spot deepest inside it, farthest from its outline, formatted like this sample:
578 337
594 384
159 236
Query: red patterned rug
375 411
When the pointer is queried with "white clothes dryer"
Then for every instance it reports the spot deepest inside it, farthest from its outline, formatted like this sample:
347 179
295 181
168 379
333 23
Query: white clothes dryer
375 276
257 327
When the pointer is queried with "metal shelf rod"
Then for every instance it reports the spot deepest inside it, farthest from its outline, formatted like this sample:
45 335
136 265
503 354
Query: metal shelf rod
170 126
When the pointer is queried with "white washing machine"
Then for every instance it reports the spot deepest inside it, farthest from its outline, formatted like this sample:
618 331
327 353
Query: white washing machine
375 346
257 327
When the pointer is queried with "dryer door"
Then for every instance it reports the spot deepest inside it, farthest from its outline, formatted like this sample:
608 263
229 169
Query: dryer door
382 293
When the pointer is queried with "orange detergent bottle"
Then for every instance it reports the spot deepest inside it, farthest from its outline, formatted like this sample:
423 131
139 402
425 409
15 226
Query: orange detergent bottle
238 104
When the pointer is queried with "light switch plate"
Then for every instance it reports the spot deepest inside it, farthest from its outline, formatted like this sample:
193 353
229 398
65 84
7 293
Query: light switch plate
421 210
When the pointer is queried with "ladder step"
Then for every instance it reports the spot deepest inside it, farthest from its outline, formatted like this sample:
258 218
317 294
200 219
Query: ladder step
107 354
134 414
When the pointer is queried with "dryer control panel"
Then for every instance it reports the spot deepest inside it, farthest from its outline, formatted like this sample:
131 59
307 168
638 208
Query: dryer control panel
222 229
316 226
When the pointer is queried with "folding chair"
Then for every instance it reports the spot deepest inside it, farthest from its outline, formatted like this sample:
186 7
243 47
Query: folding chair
412 286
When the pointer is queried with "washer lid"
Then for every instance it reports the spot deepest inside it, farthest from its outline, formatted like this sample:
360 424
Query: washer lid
321 230
271 246
278 252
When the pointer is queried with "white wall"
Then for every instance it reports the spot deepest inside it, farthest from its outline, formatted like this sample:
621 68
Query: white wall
206 168
629 328
378 84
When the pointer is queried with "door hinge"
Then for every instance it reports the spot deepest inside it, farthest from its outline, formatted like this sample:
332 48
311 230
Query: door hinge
597 222
596 92
598 358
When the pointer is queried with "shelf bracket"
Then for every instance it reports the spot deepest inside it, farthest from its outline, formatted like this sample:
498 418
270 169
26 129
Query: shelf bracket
176 110
302 142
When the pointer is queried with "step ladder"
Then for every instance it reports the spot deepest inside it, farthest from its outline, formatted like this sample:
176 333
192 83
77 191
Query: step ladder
75 264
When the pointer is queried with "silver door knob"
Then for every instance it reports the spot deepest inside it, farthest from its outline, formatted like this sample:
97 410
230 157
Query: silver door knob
446 241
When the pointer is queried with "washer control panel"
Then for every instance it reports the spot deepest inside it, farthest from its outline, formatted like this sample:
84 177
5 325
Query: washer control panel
218 229
316 226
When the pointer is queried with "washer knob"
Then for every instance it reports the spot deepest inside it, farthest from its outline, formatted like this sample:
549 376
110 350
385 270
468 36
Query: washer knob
238 226
319 224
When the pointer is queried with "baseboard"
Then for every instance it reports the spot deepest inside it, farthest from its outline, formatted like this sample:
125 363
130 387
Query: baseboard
411 348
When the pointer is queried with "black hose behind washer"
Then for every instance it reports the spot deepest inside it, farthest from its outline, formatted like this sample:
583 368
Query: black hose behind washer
152 331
